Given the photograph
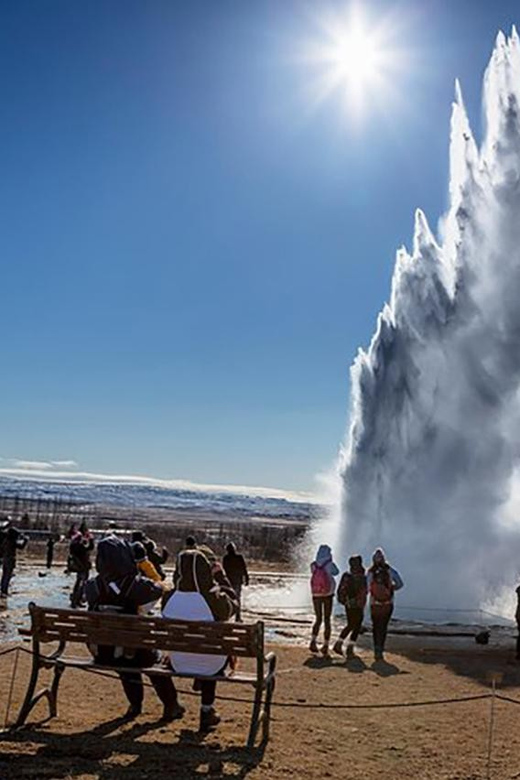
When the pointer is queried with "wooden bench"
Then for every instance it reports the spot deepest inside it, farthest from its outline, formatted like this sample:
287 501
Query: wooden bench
152 633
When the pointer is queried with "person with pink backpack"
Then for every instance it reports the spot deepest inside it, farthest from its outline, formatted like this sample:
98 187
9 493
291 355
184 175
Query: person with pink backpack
323 586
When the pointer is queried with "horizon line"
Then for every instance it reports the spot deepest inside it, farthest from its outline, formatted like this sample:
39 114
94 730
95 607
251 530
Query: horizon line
48 475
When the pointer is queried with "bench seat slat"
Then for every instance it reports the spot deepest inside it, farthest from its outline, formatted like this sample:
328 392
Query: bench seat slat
89 663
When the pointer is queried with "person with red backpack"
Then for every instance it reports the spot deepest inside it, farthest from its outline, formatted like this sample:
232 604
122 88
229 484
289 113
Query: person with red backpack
352 593
323 586
383 581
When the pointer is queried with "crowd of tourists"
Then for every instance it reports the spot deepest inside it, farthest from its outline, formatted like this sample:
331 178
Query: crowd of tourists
356 586
130 580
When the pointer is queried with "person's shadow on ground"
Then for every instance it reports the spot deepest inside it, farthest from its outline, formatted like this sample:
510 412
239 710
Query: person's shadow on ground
320 662
355 664
104 750
384 669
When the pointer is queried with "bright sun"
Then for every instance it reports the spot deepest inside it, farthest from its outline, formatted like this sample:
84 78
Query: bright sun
356 59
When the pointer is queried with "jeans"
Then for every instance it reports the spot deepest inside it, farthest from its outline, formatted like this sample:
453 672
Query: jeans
238 591
381 614
323 611
207 692
354 623
7 573
78 591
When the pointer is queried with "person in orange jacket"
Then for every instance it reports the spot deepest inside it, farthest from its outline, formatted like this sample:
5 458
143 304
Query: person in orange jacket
144 565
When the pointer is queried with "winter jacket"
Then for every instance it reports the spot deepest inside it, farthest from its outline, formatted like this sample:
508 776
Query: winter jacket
236 569
197 597
324 561
13 540
395 583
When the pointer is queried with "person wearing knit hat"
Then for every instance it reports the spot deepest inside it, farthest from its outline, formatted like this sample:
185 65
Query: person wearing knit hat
144 565
323 586
352 593
383 581
198 597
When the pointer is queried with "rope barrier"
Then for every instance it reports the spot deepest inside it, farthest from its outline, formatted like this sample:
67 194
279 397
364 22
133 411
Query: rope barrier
507 698
305 705
410 607
9 650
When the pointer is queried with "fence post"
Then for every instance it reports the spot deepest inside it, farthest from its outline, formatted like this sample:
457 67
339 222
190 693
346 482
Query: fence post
494 678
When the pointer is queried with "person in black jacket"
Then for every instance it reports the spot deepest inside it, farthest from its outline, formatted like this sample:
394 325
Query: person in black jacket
236 571
81 545
119 588
11 541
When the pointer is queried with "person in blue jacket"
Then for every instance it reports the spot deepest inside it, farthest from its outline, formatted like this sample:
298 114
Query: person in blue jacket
323 587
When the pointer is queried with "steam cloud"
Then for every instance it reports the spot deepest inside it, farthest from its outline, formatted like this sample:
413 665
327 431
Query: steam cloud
431 465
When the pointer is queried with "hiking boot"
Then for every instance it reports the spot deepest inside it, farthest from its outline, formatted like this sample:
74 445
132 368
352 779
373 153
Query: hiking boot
325 649
351 652
313 646
378 654
173 713
208 720
338 647
132 712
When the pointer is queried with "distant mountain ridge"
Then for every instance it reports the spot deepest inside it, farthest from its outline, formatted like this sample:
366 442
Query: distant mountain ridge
135 495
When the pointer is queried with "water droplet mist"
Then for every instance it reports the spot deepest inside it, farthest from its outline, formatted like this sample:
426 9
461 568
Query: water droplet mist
430 468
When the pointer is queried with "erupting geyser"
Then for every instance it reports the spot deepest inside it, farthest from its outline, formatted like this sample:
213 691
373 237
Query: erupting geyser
431 466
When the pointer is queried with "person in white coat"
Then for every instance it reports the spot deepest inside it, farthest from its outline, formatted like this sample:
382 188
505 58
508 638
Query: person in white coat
198 597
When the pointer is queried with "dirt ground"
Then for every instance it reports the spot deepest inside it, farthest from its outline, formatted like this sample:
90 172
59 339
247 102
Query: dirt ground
88 740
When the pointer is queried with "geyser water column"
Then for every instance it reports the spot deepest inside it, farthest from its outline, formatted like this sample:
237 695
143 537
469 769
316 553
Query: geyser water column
431 464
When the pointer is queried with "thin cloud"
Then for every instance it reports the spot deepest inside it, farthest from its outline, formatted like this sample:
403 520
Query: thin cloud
39 465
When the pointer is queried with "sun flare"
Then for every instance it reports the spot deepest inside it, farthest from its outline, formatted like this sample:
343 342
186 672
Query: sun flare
356 59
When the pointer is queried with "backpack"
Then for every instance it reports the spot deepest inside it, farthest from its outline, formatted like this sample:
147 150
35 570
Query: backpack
114 559
351 589
381 588
320 581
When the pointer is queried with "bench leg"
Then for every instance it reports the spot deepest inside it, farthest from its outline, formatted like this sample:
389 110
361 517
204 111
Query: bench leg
53 692
267 711
255 717
50 693
29 701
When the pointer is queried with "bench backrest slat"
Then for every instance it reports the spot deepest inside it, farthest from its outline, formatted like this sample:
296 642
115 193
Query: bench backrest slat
133 631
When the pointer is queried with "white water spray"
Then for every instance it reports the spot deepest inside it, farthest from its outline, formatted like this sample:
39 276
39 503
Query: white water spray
431 465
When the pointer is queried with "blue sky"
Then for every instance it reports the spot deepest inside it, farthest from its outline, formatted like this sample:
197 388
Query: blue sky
192 250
